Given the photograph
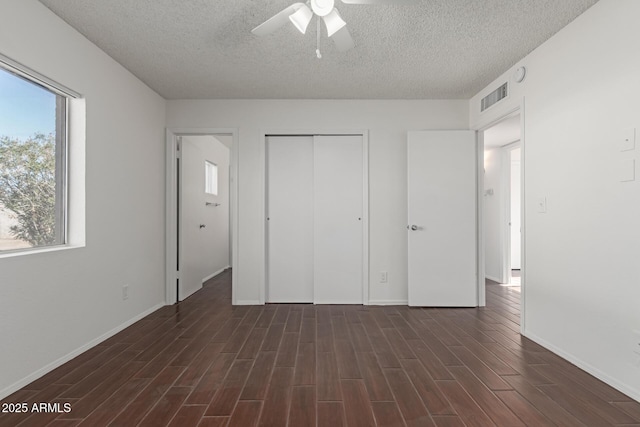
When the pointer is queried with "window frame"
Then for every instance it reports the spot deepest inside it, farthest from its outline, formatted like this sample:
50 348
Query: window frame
64 97
211 170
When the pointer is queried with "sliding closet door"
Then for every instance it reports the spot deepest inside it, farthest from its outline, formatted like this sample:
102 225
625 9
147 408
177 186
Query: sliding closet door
338 225
289 219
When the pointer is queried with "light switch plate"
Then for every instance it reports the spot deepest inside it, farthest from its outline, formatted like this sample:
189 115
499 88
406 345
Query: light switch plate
627 170
628 139
542 205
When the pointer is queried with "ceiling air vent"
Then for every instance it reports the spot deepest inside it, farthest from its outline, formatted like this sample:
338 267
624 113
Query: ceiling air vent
494 97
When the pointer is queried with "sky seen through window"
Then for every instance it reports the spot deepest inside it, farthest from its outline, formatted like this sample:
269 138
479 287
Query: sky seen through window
25 108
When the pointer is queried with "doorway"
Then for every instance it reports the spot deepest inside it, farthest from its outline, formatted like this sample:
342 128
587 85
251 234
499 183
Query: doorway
203 210
201 194
503 216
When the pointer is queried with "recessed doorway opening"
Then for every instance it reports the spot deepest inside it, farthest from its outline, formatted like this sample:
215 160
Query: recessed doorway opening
502 200
201 195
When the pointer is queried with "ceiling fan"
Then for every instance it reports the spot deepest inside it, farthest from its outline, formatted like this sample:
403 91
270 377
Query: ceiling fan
301 14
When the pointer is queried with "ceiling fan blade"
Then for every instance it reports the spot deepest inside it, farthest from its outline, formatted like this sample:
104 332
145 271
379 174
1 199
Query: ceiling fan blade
276 21
343 40
399 2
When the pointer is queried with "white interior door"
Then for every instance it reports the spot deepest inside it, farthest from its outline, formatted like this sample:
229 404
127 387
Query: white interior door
338 223
289 219
192 216
442 219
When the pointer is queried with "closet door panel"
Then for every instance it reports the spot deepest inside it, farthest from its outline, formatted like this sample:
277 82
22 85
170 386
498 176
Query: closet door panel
338 226
290 219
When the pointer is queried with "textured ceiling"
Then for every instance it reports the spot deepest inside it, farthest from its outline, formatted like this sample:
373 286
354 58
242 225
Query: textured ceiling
437 49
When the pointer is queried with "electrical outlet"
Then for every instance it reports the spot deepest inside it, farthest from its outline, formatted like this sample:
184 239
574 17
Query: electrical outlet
125 292
383 277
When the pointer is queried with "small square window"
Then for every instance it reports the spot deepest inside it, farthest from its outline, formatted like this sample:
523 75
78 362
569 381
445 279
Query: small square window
211 178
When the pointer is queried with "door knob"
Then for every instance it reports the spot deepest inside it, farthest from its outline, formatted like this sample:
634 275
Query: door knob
202 226
412 227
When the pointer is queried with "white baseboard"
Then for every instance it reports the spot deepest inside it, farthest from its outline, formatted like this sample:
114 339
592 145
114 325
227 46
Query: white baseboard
248 302
211 276
64 359
389 302
623 388
335 303
184 297
495 279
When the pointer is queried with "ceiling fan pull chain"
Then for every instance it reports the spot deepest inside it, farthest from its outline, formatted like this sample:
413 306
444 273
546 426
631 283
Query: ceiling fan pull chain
318 54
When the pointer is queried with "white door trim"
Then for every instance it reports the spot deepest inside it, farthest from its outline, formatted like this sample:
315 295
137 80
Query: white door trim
480 258
365 200
171 206
520 109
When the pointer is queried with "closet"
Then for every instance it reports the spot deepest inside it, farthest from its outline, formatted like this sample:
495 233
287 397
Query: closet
315 226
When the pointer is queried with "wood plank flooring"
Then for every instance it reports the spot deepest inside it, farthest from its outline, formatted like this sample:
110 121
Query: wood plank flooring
206 363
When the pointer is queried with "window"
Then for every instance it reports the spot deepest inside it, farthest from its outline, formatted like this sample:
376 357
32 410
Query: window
211 178
33 134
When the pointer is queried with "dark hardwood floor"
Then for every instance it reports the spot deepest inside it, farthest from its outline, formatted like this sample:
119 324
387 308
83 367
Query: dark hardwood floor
206 363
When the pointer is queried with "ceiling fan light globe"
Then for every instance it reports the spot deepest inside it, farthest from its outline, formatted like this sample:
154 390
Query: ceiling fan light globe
334 22
322 7
301 18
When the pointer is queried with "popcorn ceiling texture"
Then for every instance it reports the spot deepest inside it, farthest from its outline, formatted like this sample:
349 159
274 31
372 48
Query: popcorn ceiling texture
204 49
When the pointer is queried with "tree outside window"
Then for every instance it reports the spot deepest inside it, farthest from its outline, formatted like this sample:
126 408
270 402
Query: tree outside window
32 128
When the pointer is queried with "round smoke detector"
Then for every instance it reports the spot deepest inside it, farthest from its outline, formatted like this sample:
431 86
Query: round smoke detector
520 74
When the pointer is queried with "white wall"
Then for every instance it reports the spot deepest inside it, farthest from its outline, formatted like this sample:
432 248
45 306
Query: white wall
387 122
493 215
582 272
216 245
54 304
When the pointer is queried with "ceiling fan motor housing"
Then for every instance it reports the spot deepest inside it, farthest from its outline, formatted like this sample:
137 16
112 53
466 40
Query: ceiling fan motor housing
322 7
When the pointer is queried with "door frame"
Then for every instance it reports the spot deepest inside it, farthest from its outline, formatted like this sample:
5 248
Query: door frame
365 200
519 109
171 205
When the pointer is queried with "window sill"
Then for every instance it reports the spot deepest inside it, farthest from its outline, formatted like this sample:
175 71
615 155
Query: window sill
35 251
